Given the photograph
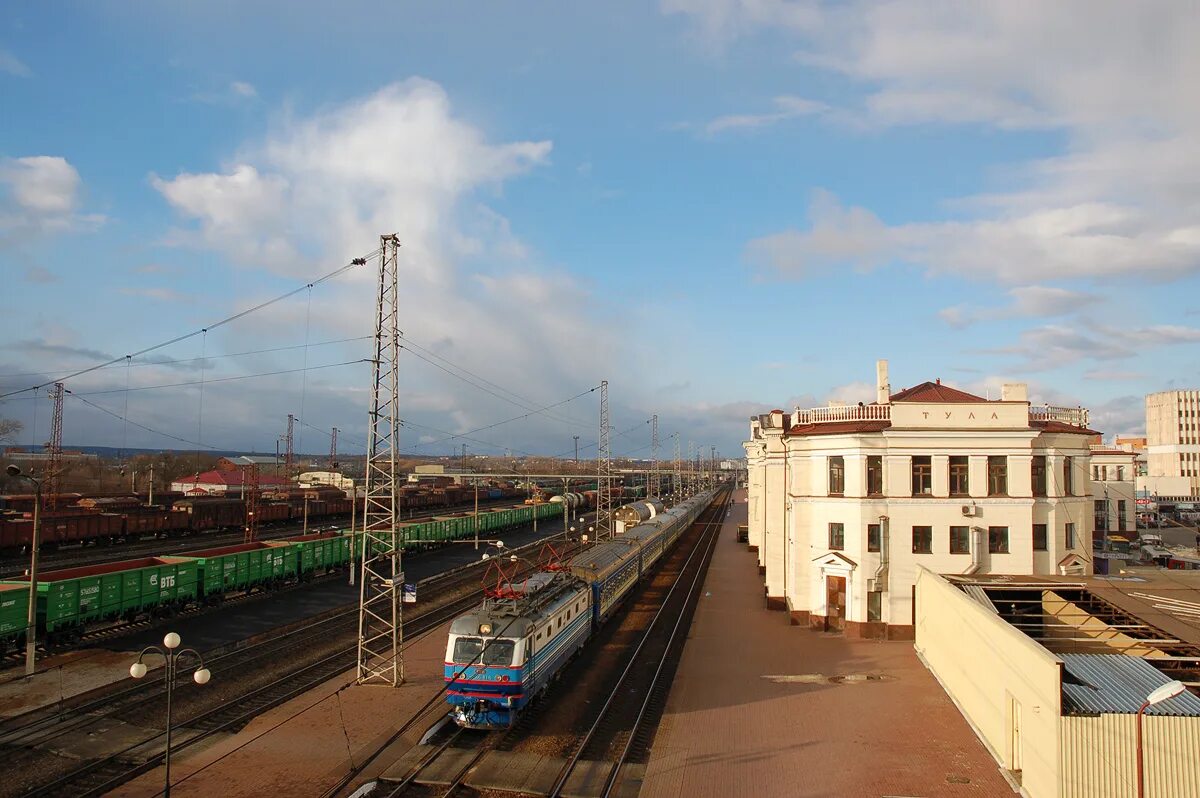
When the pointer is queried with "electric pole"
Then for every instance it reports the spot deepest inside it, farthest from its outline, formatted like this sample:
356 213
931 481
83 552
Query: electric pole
654 488
380 613
53 479
288 455
604 471
333 461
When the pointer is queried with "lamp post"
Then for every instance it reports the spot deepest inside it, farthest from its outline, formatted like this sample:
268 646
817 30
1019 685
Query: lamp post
138 669
31 618
1164 693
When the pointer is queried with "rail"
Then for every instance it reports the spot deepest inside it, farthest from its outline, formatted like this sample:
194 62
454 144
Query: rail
1075 416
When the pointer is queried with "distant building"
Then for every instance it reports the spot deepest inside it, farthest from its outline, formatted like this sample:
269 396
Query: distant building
264 463
847 502
438 473
332 478
17 455
224 483
1114 499
1173 443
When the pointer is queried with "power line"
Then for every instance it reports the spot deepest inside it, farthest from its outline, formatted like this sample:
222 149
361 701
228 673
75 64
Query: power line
227 320
209 357
514 418
524 404
224 379
136 424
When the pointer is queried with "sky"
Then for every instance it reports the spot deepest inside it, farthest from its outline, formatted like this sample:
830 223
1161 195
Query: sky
718 206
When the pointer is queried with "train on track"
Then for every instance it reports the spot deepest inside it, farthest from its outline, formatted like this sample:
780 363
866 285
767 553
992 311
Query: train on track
502 655
72 601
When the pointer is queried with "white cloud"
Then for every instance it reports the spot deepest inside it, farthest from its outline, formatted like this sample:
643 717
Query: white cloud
12 65
243 89
1085 240
320 188
1028 301
1054 346
786 107
41 194
1113 78
158 294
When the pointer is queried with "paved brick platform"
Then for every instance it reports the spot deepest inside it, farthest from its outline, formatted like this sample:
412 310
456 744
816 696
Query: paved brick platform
753 710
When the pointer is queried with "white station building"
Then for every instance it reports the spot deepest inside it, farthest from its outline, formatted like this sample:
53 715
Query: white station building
846 502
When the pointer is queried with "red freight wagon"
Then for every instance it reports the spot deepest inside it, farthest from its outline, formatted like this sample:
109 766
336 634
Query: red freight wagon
80 527
273 511
213 513
155 522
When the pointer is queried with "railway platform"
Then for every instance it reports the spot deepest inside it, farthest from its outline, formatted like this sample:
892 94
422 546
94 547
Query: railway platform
759 707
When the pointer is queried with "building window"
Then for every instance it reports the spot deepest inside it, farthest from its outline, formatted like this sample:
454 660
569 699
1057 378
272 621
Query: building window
997 475
1096 473
922 539
874 536
1070 536
960 480
960 540
837 536
998 539
837 476
1120 473
874 475
1038 475
1068 476
874 606
922 476
1039 537
1120 515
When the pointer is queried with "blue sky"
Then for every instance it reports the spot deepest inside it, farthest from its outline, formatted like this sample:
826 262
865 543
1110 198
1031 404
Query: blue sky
717 205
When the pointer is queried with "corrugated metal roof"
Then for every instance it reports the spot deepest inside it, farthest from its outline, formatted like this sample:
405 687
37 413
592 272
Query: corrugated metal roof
1117 683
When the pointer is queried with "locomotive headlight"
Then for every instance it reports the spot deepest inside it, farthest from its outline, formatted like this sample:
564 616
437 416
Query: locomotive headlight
485 628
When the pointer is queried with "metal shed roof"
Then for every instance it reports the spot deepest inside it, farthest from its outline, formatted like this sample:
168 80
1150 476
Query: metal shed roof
1117 683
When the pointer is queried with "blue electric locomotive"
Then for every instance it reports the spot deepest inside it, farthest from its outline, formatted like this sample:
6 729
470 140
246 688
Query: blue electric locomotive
503 654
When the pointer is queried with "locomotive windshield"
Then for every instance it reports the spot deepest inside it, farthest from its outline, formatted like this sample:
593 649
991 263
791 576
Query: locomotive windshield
497 652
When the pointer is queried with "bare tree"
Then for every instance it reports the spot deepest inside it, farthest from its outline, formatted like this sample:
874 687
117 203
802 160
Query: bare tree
10 428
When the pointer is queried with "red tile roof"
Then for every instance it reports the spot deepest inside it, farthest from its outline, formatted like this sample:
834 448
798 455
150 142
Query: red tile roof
935 392
839 428
1059 426
231 478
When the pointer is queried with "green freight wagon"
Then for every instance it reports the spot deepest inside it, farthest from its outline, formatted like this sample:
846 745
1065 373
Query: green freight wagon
321 552
70 599
244 567
14 616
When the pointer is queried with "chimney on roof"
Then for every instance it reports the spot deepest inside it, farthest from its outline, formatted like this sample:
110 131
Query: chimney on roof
1014 392
883 389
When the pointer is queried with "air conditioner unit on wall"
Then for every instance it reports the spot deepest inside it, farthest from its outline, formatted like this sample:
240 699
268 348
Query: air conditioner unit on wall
970 510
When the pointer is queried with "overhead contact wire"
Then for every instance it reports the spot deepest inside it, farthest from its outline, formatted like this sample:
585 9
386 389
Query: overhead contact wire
227 320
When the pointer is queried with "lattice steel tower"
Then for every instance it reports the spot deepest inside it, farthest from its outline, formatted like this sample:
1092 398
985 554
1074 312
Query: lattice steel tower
654 483
678 469
333 461
52 484
380 614
289 454
604 471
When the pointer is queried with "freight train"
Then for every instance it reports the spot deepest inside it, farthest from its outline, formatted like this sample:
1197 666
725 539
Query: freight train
106 519
502 655
73 600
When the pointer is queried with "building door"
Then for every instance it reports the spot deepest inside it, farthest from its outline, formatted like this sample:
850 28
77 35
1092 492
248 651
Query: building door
835 603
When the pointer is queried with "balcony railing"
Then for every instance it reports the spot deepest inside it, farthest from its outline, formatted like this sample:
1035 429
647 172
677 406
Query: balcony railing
828 415
1075 416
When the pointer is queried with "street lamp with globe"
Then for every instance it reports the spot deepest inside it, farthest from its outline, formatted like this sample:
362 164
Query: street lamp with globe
171 653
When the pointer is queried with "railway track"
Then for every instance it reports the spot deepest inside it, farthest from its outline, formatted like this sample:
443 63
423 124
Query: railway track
311 654
594 760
